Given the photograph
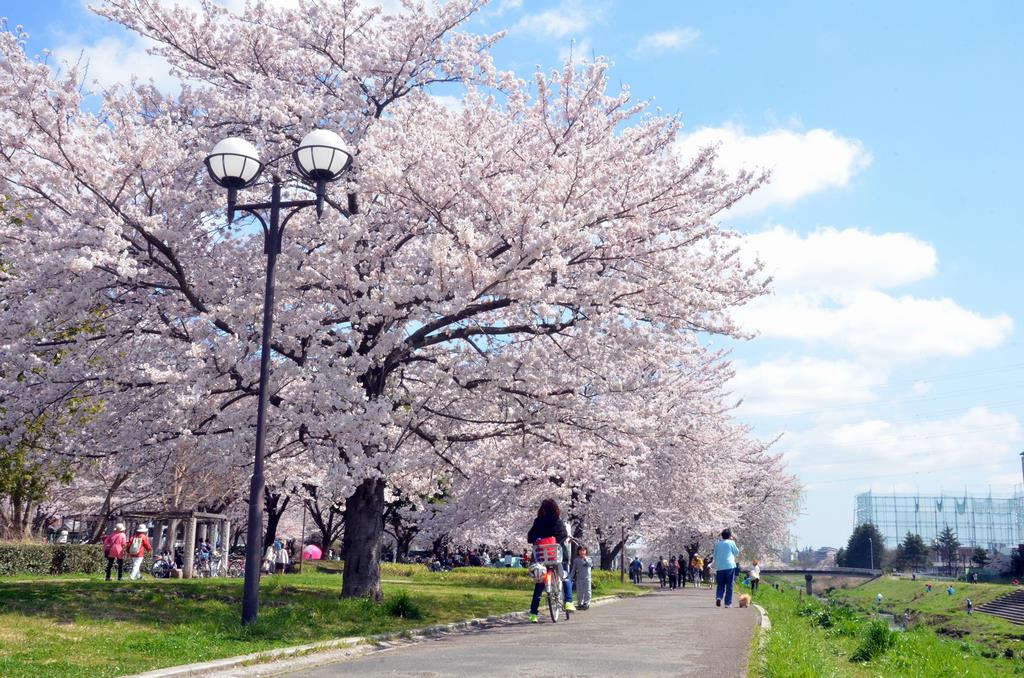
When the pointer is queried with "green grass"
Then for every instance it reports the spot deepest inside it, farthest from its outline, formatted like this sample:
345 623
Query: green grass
810 639
84 626
942 613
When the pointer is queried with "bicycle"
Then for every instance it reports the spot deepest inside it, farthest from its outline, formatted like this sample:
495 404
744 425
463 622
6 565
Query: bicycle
162 566
550 556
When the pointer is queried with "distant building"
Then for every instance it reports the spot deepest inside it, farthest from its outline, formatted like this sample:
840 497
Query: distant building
993 523
825 556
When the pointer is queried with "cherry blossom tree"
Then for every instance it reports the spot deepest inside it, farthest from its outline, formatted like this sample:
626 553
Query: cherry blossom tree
490 277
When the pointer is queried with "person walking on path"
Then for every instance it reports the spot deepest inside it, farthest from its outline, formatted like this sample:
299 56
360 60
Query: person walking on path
650 571
755 577
113 548
281 558
706 574
138 547
698 569
547 525
673 573
662 571
581 576
636 569
725 564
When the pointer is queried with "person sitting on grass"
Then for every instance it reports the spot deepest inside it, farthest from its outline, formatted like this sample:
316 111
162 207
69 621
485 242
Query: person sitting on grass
548 524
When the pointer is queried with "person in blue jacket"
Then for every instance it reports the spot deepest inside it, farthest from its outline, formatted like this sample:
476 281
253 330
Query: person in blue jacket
725 564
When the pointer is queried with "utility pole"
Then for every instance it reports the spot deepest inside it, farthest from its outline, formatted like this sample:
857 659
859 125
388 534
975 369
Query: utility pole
622 557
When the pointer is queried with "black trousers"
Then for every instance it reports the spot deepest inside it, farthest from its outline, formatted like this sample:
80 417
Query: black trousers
120 567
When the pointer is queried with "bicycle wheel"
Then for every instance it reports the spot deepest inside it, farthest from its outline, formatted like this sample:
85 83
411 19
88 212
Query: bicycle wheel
554 598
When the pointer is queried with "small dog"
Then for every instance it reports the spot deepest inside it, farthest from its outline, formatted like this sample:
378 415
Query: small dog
744 600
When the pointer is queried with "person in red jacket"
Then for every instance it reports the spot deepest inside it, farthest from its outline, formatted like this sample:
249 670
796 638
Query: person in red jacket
138 547
114 546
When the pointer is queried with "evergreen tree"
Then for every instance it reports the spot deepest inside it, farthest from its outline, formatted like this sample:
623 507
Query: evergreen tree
865 548
914 550
980 557
947 546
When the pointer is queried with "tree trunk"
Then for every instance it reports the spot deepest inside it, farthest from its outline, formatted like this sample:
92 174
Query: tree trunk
364 529
403 545
608 553
275 509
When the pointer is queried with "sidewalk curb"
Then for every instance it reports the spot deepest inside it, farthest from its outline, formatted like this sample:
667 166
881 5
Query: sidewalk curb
348 645
766 626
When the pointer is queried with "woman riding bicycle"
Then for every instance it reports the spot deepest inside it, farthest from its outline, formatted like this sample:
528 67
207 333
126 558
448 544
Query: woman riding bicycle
549 524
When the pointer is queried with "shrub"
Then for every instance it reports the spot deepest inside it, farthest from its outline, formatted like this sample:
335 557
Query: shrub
876 641
43 559
402 605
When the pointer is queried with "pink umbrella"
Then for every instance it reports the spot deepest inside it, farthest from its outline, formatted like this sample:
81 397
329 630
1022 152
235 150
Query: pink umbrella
312 552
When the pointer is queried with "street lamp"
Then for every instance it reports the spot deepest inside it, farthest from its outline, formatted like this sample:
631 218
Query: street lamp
871 550
321 157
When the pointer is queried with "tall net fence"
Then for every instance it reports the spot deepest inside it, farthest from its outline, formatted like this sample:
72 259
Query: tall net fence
994 523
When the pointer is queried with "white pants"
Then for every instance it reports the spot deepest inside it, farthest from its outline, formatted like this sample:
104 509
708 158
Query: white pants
136 565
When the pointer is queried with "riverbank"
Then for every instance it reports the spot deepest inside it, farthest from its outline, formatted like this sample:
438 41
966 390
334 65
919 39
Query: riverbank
845 638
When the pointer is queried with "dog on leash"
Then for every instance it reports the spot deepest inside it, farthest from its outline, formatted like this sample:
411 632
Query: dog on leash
744 600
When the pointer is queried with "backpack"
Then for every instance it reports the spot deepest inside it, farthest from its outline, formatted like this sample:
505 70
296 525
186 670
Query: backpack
136 546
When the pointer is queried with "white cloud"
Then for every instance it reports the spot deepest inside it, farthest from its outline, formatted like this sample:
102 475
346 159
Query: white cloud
569 17
578 50
452 103
801 163
829 294
788 387
673 39
972 446
832 259
112 60
508 5
873 324
921 388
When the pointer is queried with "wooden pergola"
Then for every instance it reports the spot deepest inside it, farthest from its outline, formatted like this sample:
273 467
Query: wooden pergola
197 523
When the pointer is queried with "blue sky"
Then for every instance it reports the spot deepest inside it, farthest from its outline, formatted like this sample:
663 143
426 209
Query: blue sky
889 356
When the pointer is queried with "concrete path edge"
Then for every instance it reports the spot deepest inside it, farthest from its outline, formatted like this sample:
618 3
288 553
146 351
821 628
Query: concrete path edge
762 636
281 653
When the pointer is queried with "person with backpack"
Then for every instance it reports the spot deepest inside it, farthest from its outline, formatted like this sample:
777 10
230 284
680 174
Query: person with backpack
636 569
138 547
662 571
281 558
114 548
673 573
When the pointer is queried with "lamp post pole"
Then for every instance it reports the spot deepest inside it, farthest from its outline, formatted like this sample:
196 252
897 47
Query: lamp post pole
871 550
622 556
234 164
254 542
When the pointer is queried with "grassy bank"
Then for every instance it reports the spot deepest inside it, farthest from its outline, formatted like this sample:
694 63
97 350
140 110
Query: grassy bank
812 640
84 626
945 614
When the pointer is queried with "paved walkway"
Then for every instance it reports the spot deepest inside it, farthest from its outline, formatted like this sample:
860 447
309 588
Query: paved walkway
666 633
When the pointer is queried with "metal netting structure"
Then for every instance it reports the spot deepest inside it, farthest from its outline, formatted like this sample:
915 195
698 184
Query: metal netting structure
993 523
